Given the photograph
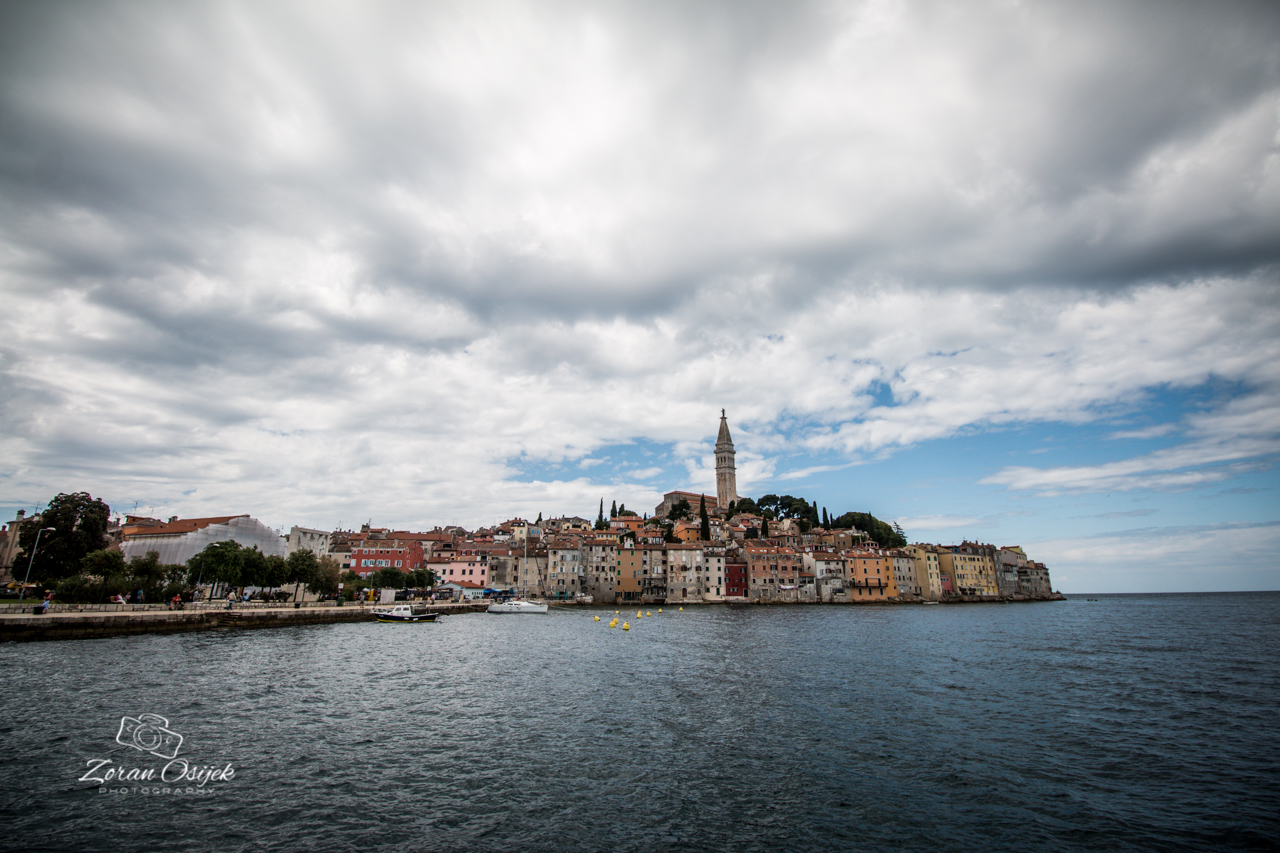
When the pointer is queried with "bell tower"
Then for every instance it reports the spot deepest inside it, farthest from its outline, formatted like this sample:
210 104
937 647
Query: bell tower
726 470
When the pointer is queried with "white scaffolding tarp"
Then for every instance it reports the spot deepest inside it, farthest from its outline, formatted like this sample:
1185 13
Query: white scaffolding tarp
248 532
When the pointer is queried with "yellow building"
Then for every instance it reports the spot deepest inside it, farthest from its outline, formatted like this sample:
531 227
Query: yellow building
870 575
972 574
632 568
928 576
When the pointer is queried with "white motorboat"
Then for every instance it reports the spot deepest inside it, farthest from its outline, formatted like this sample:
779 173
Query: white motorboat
404 613
517 605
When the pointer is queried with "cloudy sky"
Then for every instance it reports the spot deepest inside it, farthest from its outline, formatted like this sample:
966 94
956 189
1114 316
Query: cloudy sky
1001 271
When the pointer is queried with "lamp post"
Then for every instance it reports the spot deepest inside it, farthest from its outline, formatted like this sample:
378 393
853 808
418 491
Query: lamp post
32 561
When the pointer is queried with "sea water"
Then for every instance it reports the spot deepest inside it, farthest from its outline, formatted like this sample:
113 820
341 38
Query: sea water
1107 722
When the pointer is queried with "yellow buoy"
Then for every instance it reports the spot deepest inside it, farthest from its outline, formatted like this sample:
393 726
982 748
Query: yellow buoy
637 614
681 609
597 618
659 609
626 626
615 613
649 613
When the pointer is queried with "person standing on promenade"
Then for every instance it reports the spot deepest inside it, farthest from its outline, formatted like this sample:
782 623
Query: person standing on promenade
231 599
48 601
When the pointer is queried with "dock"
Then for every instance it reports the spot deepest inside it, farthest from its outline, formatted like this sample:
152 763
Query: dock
95 621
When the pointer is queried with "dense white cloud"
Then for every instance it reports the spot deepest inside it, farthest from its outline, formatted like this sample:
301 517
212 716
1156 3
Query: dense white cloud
322 261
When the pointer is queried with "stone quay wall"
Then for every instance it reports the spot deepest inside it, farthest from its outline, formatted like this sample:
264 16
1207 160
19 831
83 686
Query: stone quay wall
94 624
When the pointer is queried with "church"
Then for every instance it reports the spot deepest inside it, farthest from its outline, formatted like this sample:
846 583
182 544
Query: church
726 480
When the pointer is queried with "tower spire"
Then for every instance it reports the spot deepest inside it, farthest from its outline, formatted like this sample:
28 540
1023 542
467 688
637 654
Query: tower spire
726 470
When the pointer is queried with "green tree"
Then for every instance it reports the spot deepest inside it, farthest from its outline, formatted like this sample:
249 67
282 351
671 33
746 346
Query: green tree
325 581
275 572
601 524
149 575
680 510
219 562
764 528
300 568
879 531
613 508
747 505
826 520
389 577
79 523
106 562
102 575
254 570
352 585
704 528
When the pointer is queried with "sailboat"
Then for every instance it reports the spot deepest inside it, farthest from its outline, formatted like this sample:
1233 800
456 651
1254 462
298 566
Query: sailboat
521 604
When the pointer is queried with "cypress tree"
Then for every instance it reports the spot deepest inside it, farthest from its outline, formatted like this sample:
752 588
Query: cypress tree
613 508
764 528
704 531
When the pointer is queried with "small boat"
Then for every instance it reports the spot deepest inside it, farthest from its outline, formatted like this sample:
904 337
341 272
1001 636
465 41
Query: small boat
404 613
517 605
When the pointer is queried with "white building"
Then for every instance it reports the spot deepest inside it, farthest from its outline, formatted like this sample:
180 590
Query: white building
181 539
315 541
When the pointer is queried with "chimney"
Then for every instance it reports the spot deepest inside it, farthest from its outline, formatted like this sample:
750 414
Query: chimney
172 519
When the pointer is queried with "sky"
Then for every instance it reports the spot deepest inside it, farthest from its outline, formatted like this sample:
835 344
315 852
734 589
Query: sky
998 271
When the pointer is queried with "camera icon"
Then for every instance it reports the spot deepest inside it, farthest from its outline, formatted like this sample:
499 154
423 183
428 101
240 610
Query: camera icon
149 733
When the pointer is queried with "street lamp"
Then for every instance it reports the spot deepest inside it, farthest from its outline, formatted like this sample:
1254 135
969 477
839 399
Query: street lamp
30 562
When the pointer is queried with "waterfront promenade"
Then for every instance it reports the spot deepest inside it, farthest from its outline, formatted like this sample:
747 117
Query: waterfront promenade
91 621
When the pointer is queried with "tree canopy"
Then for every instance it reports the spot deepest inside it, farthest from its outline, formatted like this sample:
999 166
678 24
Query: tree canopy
79 523
680 510
878 530
219 562
772 507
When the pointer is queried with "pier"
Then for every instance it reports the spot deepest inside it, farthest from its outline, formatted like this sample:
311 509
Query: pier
94 621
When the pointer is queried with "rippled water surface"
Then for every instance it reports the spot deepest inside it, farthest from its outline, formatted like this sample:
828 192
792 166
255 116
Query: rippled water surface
1120 723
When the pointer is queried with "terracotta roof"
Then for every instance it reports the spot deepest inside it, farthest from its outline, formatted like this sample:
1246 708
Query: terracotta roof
184 525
